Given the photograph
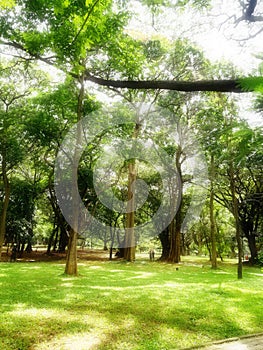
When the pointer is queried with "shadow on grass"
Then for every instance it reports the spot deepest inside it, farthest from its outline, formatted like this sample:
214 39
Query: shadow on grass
133 306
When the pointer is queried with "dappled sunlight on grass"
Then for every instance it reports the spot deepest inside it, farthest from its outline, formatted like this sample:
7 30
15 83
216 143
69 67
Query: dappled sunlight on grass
22 310
80 341
133 306
146 275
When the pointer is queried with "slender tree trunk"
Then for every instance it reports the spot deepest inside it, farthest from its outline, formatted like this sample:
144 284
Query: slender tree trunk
175 226
235 213
129 249
129 240
71 260
212 217
51 239
5 204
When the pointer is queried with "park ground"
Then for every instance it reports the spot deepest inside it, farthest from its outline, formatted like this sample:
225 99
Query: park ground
118 305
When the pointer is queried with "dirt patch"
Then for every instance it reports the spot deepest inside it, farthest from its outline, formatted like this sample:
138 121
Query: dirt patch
40 255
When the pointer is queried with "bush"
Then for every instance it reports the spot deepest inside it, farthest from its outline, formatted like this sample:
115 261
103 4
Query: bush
260 258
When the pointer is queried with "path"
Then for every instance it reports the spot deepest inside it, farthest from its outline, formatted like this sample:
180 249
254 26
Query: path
242 343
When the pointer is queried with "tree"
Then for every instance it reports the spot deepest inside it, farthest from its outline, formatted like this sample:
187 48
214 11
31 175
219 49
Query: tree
53 114
245 178
20 217
12 95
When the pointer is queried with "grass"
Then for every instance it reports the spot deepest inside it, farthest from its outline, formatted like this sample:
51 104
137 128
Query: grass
135 306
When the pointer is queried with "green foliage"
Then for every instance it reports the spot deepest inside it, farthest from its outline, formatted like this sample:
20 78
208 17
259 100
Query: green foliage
7 3
200 4
21 210
153 50
71 30
251 84
260 258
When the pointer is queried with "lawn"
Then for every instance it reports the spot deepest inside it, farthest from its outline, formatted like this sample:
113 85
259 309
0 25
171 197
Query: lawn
117 305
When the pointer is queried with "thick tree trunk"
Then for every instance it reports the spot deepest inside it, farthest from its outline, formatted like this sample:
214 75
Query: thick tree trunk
249 225
212 217
165 242
175 238
172 243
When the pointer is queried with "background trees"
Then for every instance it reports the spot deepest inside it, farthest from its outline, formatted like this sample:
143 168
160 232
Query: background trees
91 42
12 101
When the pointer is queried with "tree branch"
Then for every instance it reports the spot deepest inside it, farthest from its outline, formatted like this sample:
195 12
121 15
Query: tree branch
231 85
84 23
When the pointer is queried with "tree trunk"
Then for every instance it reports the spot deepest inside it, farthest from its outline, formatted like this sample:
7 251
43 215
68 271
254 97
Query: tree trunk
129 248
172 243
212 217
51 239
252 247
235 213
175 237
165 242
129 240
5 205
176 223
71 260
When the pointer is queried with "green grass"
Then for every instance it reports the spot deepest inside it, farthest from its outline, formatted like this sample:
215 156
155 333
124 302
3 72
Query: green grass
134 306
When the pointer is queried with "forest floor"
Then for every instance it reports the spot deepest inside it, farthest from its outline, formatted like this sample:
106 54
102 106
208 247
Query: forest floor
38 255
